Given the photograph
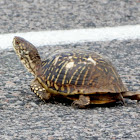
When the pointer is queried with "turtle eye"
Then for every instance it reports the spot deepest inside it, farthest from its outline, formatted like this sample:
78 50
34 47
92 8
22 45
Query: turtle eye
17 42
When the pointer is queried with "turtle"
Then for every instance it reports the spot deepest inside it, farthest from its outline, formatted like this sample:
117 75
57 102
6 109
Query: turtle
83 77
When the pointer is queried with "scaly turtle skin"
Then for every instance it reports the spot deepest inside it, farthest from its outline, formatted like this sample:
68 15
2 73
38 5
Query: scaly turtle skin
84 77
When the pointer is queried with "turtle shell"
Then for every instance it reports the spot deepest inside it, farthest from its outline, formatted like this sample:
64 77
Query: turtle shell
71 73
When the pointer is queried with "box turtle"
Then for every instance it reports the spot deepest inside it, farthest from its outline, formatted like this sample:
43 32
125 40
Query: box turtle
82 76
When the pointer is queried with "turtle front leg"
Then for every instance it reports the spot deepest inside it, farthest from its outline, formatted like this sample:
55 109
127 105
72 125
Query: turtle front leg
39 90
82 102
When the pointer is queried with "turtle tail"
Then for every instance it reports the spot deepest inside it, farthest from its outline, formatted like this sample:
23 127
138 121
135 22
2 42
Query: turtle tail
133 95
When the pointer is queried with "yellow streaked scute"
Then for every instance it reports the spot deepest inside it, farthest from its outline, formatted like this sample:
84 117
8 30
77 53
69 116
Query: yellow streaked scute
75 73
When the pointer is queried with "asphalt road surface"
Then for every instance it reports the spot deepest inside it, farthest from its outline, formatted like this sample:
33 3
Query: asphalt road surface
24 116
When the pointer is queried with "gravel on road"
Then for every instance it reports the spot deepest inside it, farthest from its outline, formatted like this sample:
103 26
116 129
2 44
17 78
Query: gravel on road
36 15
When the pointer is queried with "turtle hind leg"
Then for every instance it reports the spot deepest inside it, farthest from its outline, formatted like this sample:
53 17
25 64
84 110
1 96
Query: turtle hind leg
40 91
82 102
132 95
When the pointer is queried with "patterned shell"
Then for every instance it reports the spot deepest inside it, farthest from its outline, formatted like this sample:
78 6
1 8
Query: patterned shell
78 73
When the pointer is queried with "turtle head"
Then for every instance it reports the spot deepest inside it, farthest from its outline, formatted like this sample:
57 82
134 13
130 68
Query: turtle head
27 53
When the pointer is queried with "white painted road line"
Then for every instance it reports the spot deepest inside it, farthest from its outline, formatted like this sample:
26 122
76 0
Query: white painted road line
74 36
